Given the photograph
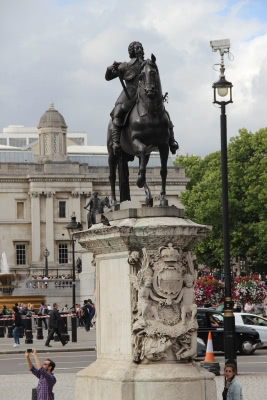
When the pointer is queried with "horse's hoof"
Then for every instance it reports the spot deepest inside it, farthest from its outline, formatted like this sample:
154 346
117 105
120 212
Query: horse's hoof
141 181
149 202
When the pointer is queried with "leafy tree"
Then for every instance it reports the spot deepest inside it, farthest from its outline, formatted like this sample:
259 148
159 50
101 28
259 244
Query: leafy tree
247 176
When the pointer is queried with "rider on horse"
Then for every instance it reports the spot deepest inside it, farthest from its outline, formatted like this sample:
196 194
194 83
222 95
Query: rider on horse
129 71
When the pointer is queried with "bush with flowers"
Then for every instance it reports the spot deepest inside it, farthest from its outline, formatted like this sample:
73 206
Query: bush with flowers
248 289
208 290
244 289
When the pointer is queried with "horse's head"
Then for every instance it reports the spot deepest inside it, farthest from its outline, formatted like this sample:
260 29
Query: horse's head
106 202
149 79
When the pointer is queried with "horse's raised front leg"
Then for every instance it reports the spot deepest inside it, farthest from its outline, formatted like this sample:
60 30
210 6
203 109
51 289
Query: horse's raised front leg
139 149
164 154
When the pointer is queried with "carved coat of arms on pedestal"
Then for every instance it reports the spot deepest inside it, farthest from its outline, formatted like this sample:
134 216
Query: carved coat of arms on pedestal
163 308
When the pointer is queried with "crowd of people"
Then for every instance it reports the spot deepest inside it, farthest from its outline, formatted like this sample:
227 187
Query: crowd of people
52 318
42 281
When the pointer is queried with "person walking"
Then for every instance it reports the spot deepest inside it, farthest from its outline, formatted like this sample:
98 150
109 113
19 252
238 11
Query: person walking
92 312
44 372
87 315
18 323
232 388
55 323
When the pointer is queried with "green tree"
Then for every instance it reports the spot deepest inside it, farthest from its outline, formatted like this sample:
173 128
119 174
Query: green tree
247 176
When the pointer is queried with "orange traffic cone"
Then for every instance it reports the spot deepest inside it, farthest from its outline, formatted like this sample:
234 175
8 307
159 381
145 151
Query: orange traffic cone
209 352
210 363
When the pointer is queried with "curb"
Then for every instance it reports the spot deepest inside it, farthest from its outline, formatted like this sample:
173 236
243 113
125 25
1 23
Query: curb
51 350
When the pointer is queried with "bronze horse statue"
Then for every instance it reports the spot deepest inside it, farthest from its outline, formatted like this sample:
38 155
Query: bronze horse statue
147 128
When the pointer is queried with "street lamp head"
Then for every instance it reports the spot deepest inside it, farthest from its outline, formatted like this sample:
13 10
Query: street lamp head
74 226
222 87
46 253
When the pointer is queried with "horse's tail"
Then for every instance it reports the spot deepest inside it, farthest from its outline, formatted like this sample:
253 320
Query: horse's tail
124 178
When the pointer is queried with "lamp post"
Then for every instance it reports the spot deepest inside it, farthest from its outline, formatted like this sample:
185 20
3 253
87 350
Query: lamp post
73 227
223 88
46 254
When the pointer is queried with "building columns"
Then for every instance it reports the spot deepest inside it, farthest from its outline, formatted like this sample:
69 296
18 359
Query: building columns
49 226
76 205
36 228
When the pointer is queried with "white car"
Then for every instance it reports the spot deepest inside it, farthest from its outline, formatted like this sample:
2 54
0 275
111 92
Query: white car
253 321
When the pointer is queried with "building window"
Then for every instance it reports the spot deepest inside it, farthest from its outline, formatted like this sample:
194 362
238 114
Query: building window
20 210
32 140
78 140
63 253
62 209
3 141
20 254
18 142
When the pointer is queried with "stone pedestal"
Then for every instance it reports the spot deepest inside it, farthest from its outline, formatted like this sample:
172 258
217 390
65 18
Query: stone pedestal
146 341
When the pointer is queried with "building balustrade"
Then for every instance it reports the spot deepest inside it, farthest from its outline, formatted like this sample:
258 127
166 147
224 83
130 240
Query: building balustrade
50 284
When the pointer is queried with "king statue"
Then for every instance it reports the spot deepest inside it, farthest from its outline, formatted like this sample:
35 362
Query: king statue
129 72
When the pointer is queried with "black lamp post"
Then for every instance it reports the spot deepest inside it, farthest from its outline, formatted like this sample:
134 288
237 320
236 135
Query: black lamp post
223 88
73 227
46 254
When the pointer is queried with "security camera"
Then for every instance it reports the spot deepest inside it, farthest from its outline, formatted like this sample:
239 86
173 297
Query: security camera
222 45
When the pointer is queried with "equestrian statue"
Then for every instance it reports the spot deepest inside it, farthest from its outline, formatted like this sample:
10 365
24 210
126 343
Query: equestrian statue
139 123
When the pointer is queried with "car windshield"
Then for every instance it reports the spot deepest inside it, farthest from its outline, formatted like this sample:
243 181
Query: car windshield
216 319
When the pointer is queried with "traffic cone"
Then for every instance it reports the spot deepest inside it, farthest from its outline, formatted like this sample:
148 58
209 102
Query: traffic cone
209 352
210 363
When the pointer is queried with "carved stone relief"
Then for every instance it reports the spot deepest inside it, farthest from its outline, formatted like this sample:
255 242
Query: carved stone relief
164 324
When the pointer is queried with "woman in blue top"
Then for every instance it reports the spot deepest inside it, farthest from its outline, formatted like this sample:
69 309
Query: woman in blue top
232 388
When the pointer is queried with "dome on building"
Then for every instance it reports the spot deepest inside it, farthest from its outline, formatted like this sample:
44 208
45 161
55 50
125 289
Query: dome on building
52 119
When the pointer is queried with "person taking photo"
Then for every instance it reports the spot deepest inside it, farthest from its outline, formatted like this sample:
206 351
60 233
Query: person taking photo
44 372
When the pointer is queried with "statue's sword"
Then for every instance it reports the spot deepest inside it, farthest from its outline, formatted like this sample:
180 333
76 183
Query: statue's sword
122 82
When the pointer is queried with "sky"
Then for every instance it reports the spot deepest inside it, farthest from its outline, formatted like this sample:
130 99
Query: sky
58 50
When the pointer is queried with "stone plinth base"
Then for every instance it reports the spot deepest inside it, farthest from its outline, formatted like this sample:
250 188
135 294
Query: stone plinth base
143 270
123 380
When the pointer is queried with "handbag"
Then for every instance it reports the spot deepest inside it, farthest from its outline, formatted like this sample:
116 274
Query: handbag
34 394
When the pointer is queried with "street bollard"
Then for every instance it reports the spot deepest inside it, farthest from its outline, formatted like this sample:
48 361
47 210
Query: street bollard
63 328
28 330
2 329
74 328
39 327
65 334
21 332
10 328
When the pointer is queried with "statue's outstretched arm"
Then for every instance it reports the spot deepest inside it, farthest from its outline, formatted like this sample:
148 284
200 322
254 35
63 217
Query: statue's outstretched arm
112 71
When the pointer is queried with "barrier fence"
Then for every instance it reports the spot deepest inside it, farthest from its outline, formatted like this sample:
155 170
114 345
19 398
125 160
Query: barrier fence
33 324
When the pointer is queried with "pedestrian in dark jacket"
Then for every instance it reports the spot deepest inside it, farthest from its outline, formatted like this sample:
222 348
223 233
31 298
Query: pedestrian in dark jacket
55 322
92 312
18 324
87 315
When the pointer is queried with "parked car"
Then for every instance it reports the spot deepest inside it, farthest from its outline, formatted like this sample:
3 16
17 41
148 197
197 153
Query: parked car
247 339
201 348
253 321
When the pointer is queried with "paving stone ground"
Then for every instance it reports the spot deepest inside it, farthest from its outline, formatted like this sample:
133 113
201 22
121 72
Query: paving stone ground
19 387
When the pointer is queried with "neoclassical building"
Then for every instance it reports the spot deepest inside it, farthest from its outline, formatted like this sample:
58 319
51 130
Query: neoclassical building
40 189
